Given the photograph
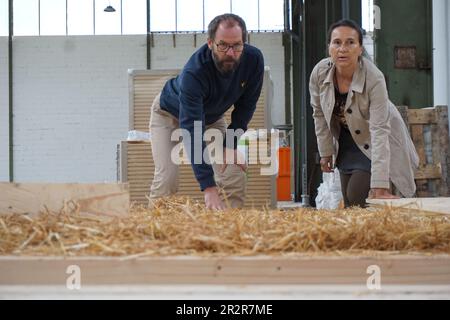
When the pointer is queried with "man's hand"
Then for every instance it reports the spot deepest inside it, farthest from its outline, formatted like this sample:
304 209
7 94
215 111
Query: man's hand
212 199
379 193
233 156
326 164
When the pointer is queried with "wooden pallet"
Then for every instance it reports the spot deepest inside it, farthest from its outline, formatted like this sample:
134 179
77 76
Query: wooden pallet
136 162
429 131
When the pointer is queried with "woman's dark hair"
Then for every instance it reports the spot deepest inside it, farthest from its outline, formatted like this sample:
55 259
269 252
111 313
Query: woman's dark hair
346 23
231 20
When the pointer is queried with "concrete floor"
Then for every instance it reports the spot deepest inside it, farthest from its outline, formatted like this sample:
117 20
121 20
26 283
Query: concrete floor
226 292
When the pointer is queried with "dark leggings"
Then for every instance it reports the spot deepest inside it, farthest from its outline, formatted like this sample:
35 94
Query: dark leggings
355 188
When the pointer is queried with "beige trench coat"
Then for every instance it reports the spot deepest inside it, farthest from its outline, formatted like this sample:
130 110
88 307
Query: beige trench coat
374 122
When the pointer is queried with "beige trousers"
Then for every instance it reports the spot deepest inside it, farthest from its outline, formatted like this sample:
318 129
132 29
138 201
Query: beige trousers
165 182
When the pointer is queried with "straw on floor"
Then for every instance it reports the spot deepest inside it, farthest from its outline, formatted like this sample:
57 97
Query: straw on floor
179 226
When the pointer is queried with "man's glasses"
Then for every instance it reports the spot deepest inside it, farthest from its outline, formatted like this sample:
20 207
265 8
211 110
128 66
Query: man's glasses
223 47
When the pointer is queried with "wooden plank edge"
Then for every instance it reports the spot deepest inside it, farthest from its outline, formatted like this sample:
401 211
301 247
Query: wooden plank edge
401 269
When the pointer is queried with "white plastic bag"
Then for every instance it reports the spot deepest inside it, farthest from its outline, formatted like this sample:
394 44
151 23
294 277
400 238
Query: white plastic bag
138 136
329 193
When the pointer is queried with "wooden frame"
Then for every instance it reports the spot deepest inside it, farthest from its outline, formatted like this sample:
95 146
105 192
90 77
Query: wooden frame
394 269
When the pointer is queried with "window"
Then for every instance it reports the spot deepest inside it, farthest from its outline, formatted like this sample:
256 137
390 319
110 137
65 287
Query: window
87 17
367 15
80 17
108 22
162 15
4 23
26 17
214 8
247 10
190 15
271 15
53 17
134 16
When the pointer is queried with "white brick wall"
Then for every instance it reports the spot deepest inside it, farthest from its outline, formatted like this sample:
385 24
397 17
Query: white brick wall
167 56
71 105
71 99
4 145
271 45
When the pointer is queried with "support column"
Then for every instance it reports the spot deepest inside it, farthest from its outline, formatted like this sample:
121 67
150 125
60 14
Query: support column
441 47
10 91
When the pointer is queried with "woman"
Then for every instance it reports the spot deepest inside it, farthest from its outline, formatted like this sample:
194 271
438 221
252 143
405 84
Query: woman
358 129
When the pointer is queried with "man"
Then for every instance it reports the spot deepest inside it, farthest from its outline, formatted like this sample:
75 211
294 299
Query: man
224 72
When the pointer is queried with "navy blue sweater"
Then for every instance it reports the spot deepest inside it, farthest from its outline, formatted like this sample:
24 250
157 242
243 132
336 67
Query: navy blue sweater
202 93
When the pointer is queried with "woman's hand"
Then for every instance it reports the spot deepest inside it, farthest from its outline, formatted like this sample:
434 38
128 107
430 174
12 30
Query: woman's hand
326 164
379 193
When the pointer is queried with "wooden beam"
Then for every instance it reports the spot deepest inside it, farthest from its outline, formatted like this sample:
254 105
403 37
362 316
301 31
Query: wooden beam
444 148
394 269
109 199
418 139
422 116
429 171
431 205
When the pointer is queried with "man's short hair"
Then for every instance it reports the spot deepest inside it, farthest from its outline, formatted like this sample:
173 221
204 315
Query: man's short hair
231 20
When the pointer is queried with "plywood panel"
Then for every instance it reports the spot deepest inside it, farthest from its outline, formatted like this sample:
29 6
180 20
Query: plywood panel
101 198
432 205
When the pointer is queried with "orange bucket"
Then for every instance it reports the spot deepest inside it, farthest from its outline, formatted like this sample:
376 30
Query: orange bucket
284 174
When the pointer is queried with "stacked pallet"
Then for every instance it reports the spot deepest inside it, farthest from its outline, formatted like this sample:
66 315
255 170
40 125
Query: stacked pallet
429 131
136 162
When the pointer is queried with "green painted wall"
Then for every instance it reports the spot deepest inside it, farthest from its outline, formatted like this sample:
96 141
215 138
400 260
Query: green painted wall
406 23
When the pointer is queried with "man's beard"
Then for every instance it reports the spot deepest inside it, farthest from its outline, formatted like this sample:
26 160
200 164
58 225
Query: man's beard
225 66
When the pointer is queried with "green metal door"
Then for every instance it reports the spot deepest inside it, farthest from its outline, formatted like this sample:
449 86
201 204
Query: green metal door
403 50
